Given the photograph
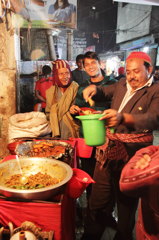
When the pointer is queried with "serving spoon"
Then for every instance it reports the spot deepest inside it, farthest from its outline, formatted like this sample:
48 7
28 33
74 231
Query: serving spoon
23 179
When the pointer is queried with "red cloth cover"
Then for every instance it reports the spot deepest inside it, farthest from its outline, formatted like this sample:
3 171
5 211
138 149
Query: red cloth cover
48 216
148 222
78 183
145 183
137 179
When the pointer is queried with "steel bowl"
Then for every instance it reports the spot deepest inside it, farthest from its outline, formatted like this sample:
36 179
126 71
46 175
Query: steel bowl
52 167
24 149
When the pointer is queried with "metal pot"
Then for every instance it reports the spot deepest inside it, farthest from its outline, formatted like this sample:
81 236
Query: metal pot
32 166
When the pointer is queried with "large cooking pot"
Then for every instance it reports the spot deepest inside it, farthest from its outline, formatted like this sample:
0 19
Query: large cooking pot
52 167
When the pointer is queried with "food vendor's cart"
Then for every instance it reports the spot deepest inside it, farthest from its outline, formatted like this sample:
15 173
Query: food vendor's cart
55 215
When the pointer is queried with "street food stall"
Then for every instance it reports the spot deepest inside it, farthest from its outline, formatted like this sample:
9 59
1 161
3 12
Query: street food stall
49 208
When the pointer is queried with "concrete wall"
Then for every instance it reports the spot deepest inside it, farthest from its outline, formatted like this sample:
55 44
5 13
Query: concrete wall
133 21
7 81
154 26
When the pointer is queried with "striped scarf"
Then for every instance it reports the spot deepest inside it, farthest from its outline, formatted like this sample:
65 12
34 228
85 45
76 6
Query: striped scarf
115 149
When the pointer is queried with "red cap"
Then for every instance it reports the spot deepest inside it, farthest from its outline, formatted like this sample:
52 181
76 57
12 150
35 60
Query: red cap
121 70
140 55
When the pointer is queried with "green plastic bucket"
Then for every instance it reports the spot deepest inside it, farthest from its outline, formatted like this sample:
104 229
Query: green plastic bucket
93 129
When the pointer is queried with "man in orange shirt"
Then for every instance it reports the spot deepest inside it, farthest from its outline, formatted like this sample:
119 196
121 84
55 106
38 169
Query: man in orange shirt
42 85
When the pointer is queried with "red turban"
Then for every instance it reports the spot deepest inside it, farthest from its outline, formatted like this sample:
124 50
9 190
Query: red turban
140 55
58 64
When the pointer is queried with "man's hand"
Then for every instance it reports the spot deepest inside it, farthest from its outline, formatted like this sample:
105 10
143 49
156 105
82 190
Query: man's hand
74 109
112 117
89 92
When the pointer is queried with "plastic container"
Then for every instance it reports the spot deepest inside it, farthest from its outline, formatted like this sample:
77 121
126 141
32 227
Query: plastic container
83 150
78 183
93 129
12 146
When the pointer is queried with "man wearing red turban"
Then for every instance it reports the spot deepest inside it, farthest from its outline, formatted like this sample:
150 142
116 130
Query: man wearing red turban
59 99
134 114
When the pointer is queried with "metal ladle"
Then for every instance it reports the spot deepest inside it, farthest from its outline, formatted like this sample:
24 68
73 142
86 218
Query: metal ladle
23 179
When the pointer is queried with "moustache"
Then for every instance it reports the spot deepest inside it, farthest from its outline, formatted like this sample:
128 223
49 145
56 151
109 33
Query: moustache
132 79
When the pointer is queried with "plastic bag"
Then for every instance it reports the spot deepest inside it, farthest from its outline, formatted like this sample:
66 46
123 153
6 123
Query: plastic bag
30 124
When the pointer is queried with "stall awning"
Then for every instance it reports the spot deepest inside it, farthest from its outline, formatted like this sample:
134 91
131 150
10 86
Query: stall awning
145 2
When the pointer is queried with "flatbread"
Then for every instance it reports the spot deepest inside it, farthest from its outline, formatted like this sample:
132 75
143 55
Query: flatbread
91 102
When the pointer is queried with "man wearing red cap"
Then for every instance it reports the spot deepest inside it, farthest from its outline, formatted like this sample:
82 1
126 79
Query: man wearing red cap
121 73
134 114
59 99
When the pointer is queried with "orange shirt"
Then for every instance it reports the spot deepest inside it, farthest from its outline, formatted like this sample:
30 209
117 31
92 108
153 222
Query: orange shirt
42 85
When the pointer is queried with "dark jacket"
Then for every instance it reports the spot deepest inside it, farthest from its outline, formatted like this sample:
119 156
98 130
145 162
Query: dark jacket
79 76
143 106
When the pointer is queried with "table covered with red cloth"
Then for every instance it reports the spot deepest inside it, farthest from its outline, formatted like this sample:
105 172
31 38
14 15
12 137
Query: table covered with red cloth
49 216
57 216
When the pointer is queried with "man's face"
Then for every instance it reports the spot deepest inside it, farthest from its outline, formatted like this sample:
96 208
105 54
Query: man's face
92 67
136 73
80 64
60 3
64 75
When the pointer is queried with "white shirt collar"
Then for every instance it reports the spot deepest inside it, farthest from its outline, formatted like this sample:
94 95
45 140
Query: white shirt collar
148 84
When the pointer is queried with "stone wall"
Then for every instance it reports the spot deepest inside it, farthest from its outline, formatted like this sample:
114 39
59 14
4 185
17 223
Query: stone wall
7 80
